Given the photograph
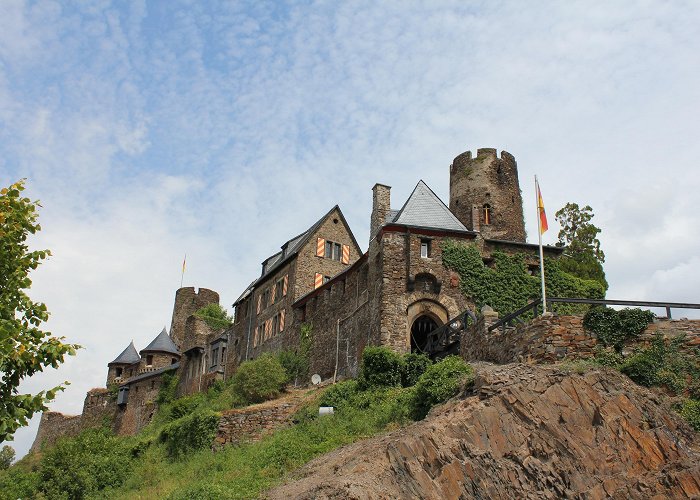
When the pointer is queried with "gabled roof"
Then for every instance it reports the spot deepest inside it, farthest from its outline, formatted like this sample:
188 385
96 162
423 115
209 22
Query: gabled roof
129 356
290 248
425 210
162 343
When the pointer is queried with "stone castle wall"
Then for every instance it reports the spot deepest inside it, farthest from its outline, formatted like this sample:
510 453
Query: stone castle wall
553 338
339 315
412 286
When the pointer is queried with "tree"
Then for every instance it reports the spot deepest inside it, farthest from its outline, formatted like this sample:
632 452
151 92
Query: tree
24 348
583 256
7 455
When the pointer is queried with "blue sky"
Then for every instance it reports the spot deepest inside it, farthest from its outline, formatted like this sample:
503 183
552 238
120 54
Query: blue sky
220 129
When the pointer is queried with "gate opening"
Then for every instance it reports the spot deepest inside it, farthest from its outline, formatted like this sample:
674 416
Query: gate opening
422 326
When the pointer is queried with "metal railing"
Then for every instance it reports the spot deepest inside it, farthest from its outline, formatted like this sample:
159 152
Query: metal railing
535 304
445 339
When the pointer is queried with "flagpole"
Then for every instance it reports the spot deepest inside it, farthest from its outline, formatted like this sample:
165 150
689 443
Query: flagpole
182 277
539 234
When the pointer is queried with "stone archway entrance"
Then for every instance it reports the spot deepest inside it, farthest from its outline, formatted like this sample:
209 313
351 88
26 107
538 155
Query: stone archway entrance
420 329
423 316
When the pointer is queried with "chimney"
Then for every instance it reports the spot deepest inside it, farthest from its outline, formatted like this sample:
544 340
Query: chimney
381 204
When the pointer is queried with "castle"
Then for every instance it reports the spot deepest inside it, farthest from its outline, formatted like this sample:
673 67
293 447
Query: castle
393 295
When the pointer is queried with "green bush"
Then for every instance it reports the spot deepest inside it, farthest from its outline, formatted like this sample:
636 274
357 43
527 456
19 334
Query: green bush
414 366
608 357
82 466
259 380
690 411
190 433
296 365
339 395
663 363
380 367
439 383
613 328
215 316
18 482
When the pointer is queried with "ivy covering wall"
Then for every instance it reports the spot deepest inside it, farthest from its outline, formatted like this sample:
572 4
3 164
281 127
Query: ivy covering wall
507 285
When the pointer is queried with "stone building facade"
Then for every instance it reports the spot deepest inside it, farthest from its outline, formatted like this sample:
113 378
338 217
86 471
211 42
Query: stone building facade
394 294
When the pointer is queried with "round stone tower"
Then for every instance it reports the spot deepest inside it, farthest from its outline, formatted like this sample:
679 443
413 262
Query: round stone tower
485 194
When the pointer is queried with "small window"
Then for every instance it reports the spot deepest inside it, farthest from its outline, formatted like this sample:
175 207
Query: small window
119 372
488 215
336 251
425 249
149 360
329 249
223 355
173 361
326 279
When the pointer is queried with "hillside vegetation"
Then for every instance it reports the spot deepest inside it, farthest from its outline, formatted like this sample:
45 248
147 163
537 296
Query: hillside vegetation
172 457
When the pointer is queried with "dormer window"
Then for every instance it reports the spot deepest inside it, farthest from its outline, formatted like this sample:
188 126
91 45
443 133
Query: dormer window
488 214
119 372
149 360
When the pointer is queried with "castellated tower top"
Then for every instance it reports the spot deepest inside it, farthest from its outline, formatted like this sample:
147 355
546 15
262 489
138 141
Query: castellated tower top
187 302
485 194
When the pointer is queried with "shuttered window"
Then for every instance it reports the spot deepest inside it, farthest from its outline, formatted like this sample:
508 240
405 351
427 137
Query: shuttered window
320 247
284 286
318 280
346 254
282 320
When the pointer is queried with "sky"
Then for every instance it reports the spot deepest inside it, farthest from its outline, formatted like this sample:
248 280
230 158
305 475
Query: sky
151 130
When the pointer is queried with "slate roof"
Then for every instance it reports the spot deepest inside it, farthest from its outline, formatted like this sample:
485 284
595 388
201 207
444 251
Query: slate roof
129 356
425 210
290 248
162 343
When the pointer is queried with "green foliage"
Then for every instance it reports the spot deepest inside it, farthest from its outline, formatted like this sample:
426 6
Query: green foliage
689 409
608 357
664 364
190 433
25 349
439 383
215 316
7 455
203 491
380 367
507 286
583 256
260 379
82 466
297 362
168 387
613 328
340 394
414 366
18 482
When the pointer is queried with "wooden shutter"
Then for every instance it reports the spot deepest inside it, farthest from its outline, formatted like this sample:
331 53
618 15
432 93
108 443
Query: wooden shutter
255 337
268 328
259 302
320 247
281 320
346 254
274 293
284 286
318 280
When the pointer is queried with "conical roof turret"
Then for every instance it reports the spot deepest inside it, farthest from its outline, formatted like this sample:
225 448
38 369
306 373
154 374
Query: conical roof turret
162 343
129 356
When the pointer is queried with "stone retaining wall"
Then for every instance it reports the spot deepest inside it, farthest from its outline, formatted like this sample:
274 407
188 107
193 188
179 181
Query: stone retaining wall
554 338
253 422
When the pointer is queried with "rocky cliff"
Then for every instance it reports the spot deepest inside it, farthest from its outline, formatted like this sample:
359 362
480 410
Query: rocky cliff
521 432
